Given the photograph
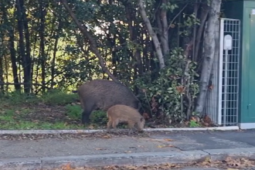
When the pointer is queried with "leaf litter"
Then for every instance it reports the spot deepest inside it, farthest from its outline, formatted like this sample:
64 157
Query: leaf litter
229 163
80 135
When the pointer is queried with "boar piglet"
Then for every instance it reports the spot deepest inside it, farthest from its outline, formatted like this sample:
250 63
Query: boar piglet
122 113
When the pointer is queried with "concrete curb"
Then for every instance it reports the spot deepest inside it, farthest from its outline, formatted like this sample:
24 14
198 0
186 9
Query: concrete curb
16 132
149 158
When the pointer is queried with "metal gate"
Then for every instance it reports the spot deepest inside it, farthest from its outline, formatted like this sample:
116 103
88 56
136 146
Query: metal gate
222 104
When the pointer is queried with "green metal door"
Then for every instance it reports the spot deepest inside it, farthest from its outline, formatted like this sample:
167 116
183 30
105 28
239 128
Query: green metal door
249 47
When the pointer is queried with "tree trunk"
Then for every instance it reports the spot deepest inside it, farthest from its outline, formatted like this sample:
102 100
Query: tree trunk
204 15
210 40
13 61
152 34
55 51
42 49
24 54
12 50
1 74
28 63
163 26
21 36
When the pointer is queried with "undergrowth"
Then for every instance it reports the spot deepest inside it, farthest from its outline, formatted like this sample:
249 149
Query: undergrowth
52 110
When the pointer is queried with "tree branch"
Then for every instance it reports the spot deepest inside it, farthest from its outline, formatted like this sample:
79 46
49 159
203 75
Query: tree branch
152 34
93 46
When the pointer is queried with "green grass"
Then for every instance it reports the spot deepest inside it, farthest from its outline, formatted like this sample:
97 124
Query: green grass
11 119
194 124
52 110
73 111
26 125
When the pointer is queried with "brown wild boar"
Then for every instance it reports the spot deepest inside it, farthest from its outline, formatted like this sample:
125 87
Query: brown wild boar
102 94
122 113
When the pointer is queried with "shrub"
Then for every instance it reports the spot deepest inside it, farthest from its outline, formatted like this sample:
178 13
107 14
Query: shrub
170 95
98 117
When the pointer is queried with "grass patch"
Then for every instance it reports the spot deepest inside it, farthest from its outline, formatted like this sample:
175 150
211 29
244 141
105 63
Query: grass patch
16 98
73 111
98 117
52 110
194 124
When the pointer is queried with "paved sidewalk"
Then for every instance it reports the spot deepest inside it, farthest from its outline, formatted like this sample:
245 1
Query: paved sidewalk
107 149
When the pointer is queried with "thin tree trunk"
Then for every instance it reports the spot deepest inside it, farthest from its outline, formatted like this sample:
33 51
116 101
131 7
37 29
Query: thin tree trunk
1 74
164 30
21 36
42 48
55 52
12 50
210 40
196 7
24 54
35 64
204 15
152 34
13 61
28 63
2 61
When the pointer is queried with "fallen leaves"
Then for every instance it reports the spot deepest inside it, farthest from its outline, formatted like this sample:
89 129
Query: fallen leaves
166 166
77 135
169 140
67 167
100 149
229 163
164 146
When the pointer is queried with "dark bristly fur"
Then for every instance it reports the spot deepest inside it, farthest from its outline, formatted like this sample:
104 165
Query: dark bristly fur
102 94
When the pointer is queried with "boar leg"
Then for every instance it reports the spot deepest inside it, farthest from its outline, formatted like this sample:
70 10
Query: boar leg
131 127
114 124
88 108
109 124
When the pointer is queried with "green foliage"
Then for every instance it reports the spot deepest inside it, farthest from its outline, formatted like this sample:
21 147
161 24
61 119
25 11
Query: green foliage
58 97
169 6
98 117
168 92
62 56
74 111
193 123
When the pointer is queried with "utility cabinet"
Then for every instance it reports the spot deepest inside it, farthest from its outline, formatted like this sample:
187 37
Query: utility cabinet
244 10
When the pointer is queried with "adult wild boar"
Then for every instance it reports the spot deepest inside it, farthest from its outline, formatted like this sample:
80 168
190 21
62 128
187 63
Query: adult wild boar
102 94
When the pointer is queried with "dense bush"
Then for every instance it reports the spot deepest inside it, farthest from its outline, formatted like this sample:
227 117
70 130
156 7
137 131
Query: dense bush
170 95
